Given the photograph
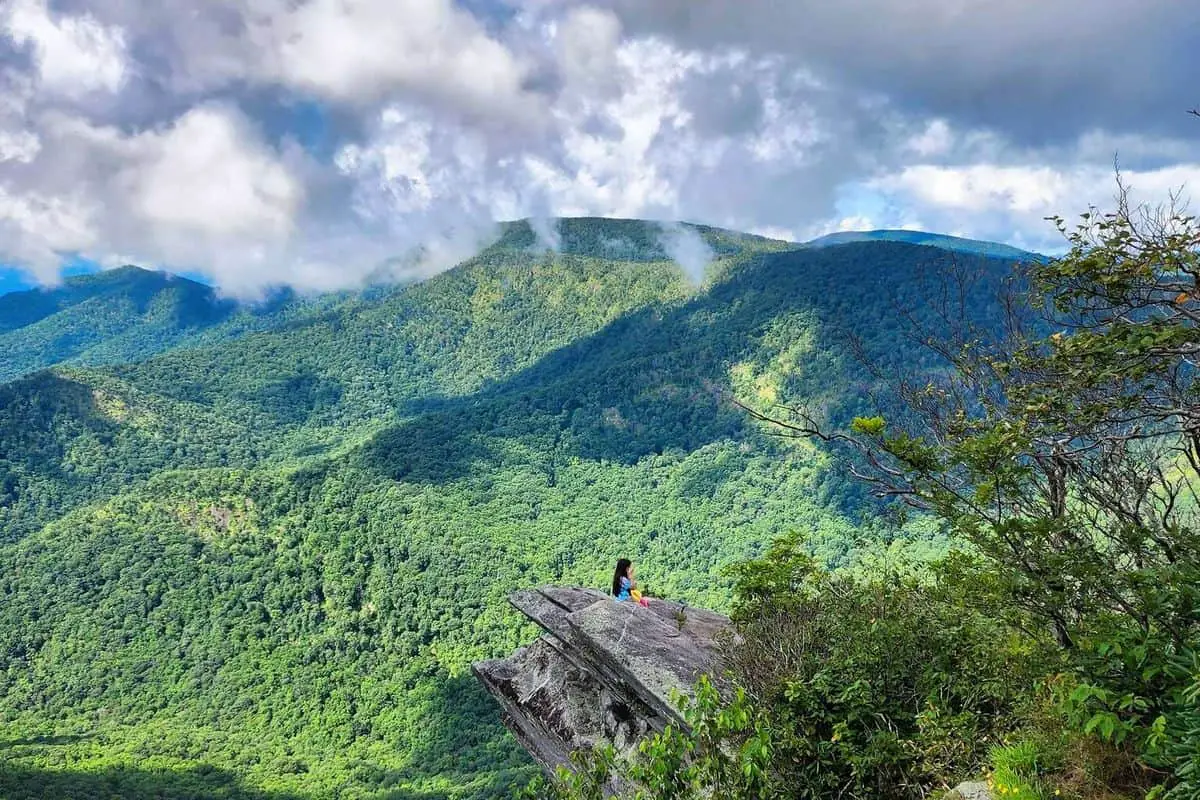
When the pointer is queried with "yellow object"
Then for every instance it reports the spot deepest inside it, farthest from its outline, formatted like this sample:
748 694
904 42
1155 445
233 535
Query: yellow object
636 594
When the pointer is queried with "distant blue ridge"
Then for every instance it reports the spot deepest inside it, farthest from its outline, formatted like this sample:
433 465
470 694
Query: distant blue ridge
15 280
955 243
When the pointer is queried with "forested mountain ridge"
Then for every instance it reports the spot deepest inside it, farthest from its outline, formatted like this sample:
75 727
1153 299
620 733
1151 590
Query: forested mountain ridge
130 314
123 315
326 373
264 564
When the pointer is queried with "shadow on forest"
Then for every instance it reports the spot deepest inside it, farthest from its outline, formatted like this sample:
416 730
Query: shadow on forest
35 741
604 397
650 381
461 744
657 379
42 415
463 739
21 782
32 403
435 448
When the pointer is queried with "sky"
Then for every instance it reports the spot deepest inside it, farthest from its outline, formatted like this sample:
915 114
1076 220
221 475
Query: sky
317 143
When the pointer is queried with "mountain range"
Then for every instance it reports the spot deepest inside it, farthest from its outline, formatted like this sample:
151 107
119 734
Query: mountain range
251 550
130 313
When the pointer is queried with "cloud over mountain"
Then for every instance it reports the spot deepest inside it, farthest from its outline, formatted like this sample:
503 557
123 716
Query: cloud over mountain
308 142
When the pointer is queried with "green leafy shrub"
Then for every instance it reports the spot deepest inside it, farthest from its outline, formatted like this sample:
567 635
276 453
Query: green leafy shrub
878 684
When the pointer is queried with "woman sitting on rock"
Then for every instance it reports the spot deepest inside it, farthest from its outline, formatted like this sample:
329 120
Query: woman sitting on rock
624 587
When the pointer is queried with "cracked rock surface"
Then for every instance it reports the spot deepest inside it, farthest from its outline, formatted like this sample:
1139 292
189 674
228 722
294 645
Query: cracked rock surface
603 672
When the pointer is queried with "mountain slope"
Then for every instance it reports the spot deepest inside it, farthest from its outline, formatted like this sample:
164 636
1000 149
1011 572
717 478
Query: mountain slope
306 386
123 315
273 557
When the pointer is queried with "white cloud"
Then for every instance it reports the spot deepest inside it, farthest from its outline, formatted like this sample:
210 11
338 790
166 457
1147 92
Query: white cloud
547 232
586 43
688 249
855 223
788 135
207 176
366 50
935 140
771 232
202 193
74 54
19 146
612 167
413 172
1011 203
158 131
39 231
978 188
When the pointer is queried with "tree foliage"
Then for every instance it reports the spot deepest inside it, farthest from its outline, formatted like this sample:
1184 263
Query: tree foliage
1066 453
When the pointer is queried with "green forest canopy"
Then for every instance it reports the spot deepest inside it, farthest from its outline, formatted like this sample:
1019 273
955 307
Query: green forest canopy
255 550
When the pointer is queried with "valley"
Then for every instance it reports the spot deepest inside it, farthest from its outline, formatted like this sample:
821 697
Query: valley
252 551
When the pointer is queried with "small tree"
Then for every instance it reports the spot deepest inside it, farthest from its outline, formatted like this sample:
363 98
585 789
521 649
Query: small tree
1066 452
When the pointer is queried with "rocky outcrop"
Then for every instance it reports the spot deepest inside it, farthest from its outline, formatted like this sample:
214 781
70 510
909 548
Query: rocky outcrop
975 790
603 672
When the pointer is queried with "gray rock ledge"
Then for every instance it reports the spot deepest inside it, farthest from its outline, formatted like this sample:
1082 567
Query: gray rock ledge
603 672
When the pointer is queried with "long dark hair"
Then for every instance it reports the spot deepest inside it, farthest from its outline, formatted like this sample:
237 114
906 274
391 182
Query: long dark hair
622 571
